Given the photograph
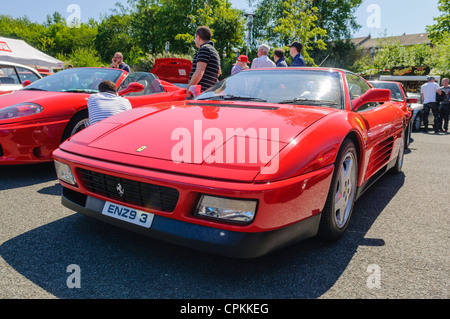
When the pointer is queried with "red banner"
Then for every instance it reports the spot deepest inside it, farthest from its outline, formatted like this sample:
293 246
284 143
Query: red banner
4 47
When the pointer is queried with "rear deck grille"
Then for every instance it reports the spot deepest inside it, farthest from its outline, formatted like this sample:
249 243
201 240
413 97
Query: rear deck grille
136 193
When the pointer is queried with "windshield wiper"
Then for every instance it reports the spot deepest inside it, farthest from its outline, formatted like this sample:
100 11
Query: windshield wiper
81 91
233 97
34 89
306 101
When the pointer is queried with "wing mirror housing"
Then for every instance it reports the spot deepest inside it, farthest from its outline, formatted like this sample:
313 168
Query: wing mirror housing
26 83
131 88
372 96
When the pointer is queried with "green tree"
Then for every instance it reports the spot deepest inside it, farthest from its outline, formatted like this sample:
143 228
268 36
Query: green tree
339 54
282 22
81 57
53 37
155 22
226 23
115 35
318 23
144 24
21 28
58 37
299 24
392 54
442 25
440 56
337 17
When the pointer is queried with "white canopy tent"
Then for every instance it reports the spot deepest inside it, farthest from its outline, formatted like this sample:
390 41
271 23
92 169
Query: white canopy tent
19 51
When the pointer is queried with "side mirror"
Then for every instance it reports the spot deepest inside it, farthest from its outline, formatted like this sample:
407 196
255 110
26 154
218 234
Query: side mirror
26 83
131 88
411 100
372 96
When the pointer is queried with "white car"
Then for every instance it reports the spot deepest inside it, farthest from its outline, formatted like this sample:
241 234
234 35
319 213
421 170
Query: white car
13 76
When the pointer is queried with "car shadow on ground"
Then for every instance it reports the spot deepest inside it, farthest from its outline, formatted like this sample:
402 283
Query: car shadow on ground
25 175
118 264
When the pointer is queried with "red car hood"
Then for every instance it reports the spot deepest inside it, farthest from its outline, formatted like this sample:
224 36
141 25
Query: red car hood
21 96
56 104
197 138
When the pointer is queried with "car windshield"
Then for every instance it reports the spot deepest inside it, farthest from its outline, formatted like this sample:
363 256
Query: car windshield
83 80
396 94
285 86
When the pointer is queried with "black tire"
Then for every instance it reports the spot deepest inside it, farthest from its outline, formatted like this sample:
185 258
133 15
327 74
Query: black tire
417 122
342 194
401 154
77 123
408 135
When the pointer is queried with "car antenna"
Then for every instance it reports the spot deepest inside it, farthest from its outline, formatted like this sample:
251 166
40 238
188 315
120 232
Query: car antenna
324 60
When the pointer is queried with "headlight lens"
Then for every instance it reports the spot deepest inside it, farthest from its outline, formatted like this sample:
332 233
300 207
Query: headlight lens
19 110
226 209
64 173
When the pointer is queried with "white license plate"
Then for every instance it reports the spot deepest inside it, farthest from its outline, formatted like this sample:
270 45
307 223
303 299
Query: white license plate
127 214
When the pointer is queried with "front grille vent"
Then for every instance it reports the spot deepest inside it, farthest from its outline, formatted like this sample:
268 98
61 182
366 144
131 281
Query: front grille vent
130 192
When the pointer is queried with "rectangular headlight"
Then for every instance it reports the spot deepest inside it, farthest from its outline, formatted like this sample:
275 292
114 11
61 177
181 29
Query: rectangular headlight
226 209
64 173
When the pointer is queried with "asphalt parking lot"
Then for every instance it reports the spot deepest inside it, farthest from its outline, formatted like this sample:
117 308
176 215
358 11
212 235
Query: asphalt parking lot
397 246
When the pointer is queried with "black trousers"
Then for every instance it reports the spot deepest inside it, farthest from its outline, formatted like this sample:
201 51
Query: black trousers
444 113
434 107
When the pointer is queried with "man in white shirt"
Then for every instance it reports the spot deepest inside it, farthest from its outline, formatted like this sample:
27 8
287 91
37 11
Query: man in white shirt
263 61
106 103
428 91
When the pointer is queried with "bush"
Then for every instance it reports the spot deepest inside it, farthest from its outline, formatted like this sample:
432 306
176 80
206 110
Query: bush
82 57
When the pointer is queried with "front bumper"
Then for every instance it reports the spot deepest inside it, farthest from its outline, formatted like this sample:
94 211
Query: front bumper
288 210
207 239
26 143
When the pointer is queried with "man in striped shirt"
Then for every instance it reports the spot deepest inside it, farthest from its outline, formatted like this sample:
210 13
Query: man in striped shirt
106 103
206 65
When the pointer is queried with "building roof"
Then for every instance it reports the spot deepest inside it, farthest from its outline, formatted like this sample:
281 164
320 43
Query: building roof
405 39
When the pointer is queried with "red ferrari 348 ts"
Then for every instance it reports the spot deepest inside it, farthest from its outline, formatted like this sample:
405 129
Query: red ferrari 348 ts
263 159
36 119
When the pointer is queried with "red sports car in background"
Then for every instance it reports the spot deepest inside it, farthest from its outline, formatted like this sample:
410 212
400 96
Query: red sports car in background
36 119
173 70
263 159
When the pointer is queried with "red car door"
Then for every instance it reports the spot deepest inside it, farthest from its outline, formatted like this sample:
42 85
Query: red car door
382 124
154 91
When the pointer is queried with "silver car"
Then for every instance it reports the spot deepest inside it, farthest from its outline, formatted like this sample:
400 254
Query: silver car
417 119
14 75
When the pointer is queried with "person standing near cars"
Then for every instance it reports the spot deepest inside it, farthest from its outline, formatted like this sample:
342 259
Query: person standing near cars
241 64
263 61
206 64
444 107
428 91
278 57
117 63
295 49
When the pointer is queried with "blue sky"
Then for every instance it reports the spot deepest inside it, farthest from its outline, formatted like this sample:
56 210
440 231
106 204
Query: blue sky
377 17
